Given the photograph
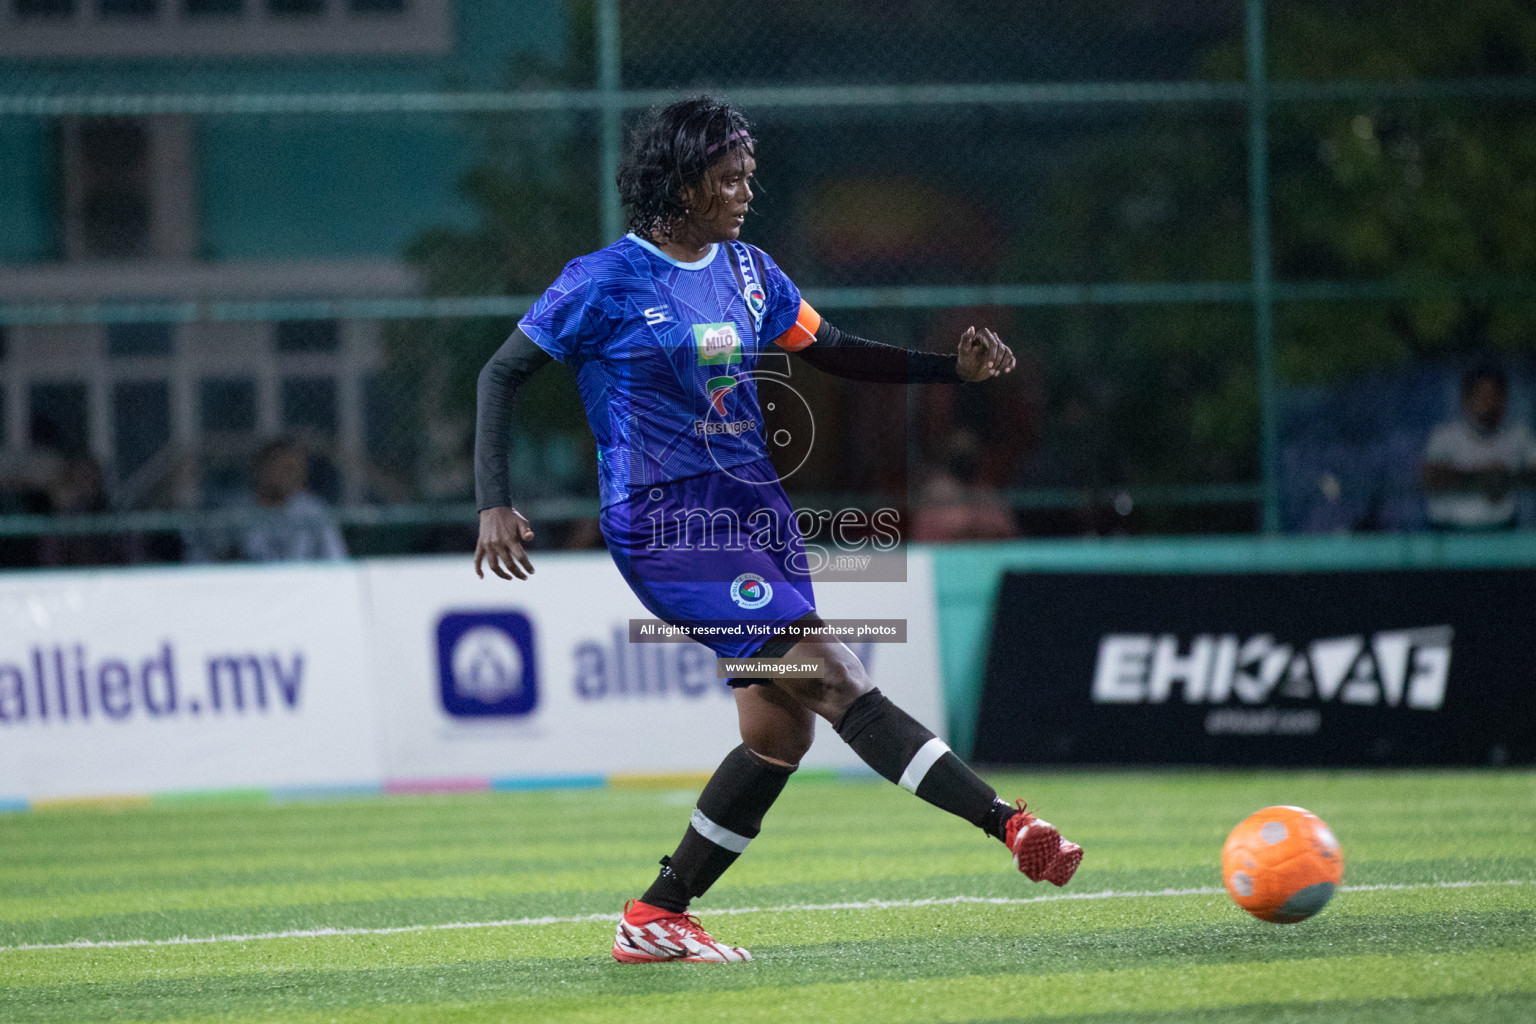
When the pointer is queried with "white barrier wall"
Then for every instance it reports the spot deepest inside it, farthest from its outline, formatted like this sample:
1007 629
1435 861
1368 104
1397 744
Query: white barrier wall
129 682
401 671
564 691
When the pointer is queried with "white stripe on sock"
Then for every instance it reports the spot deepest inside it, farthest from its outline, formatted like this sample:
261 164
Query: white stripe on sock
921 761
717 834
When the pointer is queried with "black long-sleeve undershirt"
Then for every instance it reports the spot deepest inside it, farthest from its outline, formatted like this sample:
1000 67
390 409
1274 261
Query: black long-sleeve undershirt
514 362
848 355
835 352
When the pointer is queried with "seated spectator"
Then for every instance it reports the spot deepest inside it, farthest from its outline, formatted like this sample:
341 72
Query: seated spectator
25 477
27 474
79 488
950 506
301 530
1473 463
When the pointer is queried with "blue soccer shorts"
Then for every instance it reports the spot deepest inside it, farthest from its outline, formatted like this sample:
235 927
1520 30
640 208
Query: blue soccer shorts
719 552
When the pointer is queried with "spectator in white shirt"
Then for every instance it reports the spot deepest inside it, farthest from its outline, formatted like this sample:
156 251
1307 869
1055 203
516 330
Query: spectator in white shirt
301 529
1474 463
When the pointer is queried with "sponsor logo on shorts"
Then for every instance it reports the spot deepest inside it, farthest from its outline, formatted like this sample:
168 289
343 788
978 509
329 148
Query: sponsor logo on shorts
751 591
486 664
718 344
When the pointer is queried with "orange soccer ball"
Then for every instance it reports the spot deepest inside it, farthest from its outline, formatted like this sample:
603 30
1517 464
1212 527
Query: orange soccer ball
1282 864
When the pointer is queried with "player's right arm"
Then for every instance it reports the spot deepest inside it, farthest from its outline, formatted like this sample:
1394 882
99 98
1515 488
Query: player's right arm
569 315
503 530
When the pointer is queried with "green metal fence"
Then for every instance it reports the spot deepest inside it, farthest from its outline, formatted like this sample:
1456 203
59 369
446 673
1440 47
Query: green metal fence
949 93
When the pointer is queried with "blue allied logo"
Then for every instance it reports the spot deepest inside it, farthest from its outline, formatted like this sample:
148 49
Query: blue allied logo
486 665
751 591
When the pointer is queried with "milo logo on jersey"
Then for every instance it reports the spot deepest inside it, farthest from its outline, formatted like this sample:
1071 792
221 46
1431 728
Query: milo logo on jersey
718 344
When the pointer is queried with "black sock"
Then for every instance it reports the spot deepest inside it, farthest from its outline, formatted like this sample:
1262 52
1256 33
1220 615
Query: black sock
997 822
668 891
729 815
901 749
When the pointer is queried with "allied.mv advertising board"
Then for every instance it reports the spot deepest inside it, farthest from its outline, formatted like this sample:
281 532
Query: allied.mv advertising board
539 677
118 682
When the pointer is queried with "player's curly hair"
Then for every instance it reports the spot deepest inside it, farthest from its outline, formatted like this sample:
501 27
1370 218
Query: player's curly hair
671 149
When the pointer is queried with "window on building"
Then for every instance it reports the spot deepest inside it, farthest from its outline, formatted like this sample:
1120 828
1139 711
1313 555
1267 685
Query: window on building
59 417
228 405
141 423
127 8
44 8
376 6
307 336
384 405
4 338
213 8
309 405
114 202
141 339
296 7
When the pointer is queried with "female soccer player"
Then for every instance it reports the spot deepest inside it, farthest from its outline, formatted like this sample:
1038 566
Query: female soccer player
663 329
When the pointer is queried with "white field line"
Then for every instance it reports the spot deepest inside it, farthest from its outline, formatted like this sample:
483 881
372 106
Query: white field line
521 922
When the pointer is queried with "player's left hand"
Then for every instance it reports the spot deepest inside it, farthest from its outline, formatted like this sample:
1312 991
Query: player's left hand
982 355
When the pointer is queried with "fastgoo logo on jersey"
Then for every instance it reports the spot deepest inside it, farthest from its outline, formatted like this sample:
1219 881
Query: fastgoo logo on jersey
718 344
486 664
751 591
719 388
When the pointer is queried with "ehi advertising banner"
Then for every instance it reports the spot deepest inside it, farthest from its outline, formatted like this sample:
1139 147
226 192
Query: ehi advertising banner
1322 668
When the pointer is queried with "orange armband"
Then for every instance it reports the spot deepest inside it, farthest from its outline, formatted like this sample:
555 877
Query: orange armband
802 332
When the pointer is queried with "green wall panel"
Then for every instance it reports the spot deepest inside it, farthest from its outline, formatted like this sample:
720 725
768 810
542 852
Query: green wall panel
309 188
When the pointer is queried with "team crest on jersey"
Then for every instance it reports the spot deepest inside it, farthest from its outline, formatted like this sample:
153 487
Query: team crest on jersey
718 388
757 302
751 591
718 344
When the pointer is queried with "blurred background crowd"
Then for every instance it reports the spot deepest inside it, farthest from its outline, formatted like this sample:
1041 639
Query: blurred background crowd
1267 267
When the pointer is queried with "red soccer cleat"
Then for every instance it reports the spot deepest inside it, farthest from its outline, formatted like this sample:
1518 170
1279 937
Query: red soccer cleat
651 935
1039 851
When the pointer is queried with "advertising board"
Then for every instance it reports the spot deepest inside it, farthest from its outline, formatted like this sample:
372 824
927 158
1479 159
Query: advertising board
1316 668
138 681
386 673
538 677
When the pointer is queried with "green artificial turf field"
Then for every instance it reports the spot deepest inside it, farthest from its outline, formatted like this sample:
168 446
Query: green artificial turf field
859 902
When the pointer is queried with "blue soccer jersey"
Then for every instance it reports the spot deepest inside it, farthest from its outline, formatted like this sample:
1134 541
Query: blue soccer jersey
663 352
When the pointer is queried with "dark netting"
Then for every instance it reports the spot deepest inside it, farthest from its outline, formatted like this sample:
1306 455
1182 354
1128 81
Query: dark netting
323 237
981 196
876 42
